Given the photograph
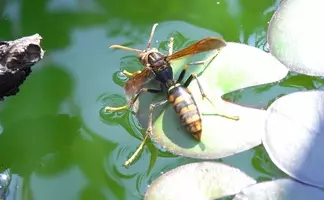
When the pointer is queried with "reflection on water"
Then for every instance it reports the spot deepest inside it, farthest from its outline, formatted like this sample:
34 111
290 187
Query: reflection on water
55 133
5 179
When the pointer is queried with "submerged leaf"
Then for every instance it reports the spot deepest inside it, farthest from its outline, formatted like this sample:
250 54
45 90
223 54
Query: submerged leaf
295 36
236 66
202 180
285 189
294 135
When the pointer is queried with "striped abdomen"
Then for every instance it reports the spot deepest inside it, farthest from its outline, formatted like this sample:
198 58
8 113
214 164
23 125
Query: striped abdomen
185 106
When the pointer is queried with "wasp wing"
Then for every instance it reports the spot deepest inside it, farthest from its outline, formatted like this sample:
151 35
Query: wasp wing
135 83
206 44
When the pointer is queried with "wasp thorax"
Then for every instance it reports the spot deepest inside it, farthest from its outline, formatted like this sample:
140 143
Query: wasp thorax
156 59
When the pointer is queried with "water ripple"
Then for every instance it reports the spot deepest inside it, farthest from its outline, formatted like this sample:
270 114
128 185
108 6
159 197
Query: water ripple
141 183
127 177
112 117
135 125
119 78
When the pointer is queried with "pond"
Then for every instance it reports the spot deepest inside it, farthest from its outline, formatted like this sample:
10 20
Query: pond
56 138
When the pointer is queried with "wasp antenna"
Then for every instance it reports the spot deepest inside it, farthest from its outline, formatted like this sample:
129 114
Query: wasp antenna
125 48
151 35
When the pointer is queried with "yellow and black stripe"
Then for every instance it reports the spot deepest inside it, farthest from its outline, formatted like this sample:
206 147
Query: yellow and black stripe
185 106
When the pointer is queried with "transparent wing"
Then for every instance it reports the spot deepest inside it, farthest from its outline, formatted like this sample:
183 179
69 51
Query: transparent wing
134 84
206 44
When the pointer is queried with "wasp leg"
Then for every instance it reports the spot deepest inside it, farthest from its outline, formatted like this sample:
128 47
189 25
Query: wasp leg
131 74
203 94
171 46
148 130
183 72
137 152
209 60
133 100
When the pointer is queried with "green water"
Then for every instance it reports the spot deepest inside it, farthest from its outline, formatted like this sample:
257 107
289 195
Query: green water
54 133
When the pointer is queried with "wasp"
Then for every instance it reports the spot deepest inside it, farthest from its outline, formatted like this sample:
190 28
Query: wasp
158 67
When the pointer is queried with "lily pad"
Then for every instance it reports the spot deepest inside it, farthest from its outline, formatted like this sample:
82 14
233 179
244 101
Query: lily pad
286 189
235 67
202 180
295 35
294 135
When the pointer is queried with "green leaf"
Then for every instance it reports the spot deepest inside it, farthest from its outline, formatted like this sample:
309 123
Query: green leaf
286 189
294 136
202 180
239 66
236 66
295 36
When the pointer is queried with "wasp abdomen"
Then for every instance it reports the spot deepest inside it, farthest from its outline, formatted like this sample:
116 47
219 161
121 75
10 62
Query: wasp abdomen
185 106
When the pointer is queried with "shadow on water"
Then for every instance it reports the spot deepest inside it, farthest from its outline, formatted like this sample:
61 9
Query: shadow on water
42 134
92 193
32 126
34 131
42 14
